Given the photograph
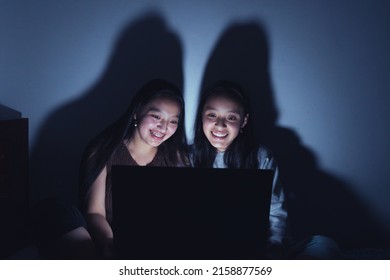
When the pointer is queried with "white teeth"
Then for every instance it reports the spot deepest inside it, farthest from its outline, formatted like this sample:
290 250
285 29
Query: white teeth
157 134
218 134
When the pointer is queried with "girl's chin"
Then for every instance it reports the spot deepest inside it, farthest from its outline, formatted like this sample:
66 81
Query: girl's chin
219 147
155 142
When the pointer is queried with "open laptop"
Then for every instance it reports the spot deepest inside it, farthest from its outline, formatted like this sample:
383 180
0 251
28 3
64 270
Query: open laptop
167 213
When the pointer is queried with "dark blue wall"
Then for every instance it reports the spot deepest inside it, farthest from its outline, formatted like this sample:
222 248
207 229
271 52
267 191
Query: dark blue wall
318 73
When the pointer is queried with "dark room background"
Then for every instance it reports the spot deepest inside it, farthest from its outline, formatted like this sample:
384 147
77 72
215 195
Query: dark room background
318 73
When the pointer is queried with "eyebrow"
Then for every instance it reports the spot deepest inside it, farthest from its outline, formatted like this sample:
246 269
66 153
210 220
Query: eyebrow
154 109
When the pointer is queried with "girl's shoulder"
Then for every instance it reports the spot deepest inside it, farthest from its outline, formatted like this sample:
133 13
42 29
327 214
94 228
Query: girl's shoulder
264 151
265 157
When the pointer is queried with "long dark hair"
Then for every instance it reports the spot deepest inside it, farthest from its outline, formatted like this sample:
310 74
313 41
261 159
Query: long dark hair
242 152
102 147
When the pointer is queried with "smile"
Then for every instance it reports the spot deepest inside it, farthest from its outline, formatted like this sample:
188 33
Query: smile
219 134
157 134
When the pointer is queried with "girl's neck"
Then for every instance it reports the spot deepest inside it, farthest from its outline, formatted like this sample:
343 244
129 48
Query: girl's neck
141 152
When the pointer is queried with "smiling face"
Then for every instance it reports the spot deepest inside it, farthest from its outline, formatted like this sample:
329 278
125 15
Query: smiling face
222 119
157 122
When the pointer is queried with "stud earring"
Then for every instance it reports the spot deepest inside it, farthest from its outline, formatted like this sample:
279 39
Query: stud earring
135 123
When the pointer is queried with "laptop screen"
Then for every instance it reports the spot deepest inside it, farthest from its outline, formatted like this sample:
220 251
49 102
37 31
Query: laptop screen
190 213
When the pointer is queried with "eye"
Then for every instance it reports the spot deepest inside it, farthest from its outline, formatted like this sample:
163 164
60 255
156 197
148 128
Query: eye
211 115
175 122
155 116
232 118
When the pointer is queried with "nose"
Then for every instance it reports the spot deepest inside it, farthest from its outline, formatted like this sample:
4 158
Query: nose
220 122
163 125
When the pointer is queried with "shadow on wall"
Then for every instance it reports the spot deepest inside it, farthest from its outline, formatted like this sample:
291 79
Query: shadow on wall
146 49
319 203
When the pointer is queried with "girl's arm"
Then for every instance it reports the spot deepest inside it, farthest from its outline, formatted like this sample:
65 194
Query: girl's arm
98 225
278 231
278 212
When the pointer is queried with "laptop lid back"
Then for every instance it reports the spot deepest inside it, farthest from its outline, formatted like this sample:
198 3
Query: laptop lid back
190 213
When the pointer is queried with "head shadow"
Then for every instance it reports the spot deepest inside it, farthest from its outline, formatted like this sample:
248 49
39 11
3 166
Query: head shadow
144 50
318 202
